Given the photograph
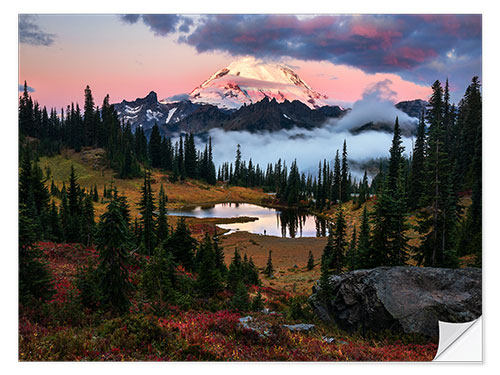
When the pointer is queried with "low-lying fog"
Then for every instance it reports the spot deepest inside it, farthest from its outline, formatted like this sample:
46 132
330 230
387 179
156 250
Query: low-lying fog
311 146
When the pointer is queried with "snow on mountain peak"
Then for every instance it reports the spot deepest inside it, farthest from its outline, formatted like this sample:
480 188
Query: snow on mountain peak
250 80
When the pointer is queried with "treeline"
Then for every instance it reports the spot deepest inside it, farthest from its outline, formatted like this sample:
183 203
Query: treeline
128 153
333 184
440 169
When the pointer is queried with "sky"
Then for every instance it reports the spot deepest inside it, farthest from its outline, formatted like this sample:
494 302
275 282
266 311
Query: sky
341 56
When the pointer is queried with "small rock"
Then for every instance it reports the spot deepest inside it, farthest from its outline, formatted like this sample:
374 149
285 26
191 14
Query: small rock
299 327
331 340
268 312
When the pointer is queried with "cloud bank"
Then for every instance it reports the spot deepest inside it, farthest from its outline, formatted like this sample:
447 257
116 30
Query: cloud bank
377 106
415 46
160 24
307 147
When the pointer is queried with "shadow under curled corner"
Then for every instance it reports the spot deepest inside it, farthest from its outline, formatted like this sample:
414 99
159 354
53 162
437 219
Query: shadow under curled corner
460 342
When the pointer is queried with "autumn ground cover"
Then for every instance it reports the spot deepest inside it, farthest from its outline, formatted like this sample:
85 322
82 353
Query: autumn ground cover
63 331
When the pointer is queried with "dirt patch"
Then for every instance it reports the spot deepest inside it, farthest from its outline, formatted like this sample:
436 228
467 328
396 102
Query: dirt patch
289 256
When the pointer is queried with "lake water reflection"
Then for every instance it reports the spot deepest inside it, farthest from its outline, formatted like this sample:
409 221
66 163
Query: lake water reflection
272 222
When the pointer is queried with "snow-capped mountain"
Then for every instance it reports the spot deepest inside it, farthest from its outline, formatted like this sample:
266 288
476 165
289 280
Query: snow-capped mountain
249 80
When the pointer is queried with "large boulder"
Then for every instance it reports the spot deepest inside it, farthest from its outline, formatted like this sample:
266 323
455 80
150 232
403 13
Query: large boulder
400 299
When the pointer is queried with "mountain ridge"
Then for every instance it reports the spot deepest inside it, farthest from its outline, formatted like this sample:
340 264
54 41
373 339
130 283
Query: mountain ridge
265 115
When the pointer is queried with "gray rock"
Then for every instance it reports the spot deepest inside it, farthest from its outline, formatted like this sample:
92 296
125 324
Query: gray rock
252 324
331 340
401 299
246 319
299 327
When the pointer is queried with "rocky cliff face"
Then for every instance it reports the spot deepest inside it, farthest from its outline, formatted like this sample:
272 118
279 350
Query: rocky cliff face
404 299
148 111
412 108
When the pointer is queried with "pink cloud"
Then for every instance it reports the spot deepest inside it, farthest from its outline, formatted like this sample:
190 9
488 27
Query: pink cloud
346 84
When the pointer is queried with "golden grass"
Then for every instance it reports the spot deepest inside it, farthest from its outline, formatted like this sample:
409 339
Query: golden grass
89 170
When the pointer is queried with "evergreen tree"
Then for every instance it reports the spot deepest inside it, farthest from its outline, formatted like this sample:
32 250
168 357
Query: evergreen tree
326 257
468 127
88 282
364 258
389 242
159 279
54 190
113 241
395 161
437 218
174 176
219 257
147 210
324 280
161 221
363 190
182 245
211 178
470 238
209 280
345 189
33 193
181 161
241 299
257 302
88 222
237 166
269 270
352 255
293 186
89 131
337 259
417 167
190 160
310 261
55 228
155 147
35 280
234 272
167 159
73 221
249 272
95 194
26 119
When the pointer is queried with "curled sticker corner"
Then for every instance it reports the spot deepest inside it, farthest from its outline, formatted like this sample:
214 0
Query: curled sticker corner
460 342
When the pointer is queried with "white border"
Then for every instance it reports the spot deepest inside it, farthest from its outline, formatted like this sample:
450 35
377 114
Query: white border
8 157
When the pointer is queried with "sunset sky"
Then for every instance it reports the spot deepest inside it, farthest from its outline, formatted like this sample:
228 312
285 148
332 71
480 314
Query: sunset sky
340 56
